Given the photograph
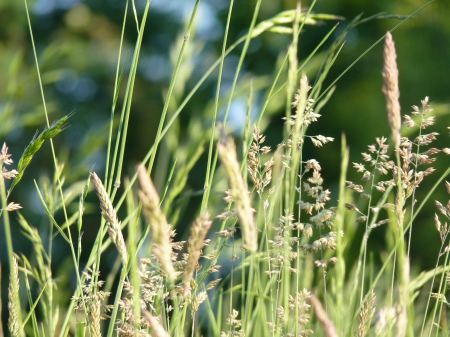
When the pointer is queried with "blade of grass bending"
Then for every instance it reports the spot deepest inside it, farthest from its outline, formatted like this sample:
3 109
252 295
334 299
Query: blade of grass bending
31 313
371 47
197 86
34 146
167 102
150 152
274 92
120 150
55 163
325 73
52 219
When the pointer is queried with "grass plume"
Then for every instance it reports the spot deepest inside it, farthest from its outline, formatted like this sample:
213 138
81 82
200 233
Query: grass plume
157 222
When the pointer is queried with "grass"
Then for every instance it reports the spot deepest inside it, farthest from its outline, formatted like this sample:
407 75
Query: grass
273 258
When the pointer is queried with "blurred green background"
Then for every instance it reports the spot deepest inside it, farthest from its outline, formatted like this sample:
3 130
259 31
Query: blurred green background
77 45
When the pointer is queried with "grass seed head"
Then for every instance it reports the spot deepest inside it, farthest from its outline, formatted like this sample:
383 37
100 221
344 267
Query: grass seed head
390 88
110 216
239 192
196 243
159 227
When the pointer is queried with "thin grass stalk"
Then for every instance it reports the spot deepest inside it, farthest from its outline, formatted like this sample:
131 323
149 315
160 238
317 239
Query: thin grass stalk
95 253
249 294
202 80
392 253
292 67
369 222
392 93
375 281
416 164
51 325
441 250
171 86
9 242
206 186
125 116
211 170
294 132
32 312
133 268
272 92
439 303
117 81
259 308
119 289
231 285
339 223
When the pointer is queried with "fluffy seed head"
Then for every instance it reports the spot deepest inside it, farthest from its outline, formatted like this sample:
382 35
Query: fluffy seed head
228 156
390 88
196 243
110 216
159 227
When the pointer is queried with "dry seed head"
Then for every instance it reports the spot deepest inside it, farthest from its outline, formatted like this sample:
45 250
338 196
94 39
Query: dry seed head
159 227
12 207
447 186
110 216
157 328
4 156
366 315
95 316
322 316
13 300
196 243
5 160
228 156
390 88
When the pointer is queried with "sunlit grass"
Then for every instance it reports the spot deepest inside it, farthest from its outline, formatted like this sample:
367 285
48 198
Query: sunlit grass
270 259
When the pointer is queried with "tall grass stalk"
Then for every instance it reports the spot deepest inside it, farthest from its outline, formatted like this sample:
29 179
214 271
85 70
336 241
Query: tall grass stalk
276 261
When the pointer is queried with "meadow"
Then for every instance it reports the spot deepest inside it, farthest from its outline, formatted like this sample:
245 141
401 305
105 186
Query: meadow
271 249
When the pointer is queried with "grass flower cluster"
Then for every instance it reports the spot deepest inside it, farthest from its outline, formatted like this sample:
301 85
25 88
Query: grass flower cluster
273 256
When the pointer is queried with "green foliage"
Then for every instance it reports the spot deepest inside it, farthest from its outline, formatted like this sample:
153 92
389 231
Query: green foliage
271 250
